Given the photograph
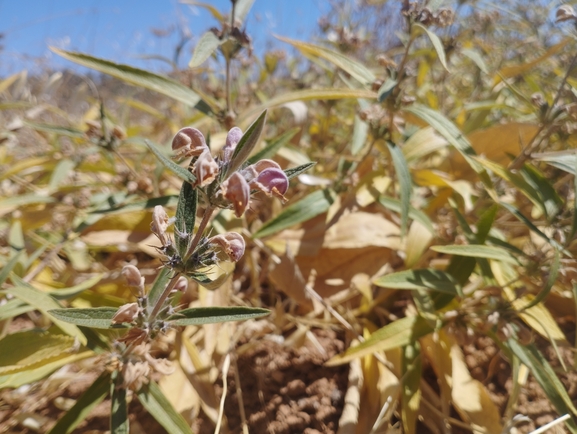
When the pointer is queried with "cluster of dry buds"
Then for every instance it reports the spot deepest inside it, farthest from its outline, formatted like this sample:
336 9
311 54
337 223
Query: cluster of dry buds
221 182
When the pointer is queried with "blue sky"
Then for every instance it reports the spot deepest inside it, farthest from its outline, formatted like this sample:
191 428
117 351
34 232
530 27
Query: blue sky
121 30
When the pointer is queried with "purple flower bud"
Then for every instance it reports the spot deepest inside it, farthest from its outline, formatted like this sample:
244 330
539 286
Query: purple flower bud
252 171
232 139
189 141
237 191
205 169
271 181
232 243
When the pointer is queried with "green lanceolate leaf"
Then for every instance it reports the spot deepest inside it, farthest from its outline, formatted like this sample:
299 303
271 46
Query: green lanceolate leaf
273 147
27 350
206 46
83 406
415 214
93 317
360 134
549 196
119 423
386 89
426 278
185 218
546 377
404 177
158 286
296 171
411 387
551 279
437 44
564 160
44 303
7 268
66 293
179 171
55 129
13 308
397 334
305 209
139 77
247 143
211 315
476 57
159 407
355 69
241 9
477 251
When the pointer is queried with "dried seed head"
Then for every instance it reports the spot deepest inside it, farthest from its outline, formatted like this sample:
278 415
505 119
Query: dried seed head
232 244
189 141
126 313
205 169
237 191
565 13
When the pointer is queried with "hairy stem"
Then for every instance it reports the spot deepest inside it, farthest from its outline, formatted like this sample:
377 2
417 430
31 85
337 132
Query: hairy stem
163 297
204 222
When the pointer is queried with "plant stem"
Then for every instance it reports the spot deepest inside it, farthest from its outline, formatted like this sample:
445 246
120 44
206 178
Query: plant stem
163 297
204 222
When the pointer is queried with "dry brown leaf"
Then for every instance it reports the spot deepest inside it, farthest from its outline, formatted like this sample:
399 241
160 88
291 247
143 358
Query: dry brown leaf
287 277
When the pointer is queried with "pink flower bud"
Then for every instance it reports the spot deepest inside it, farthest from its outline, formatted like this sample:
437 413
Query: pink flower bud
133 276
237 191
232 243
252 171
205 169
126 313
181 284
232 139
189 141
271 181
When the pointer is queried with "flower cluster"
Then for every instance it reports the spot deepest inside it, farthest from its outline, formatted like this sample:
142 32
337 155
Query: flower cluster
228 189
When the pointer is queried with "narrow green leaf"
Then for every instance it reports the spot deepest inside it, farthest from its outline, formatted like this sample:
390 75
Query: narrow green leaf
66 293
139 77
411 385
207 44
13 308
119 423
247 143
7 268
154 401
312 94
450 132
546 377
158 286
166 201
485 223
296 171
272 148
414 213
405 184
360 134
211 315
241 9
477 251
545 190
426 278
437 44
397 334
179 171
55 129
476 58
93 317
305 209
551 279
355 69
24 199
44 303
185 218
386 89
520 216
60 173
564 160
83 406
